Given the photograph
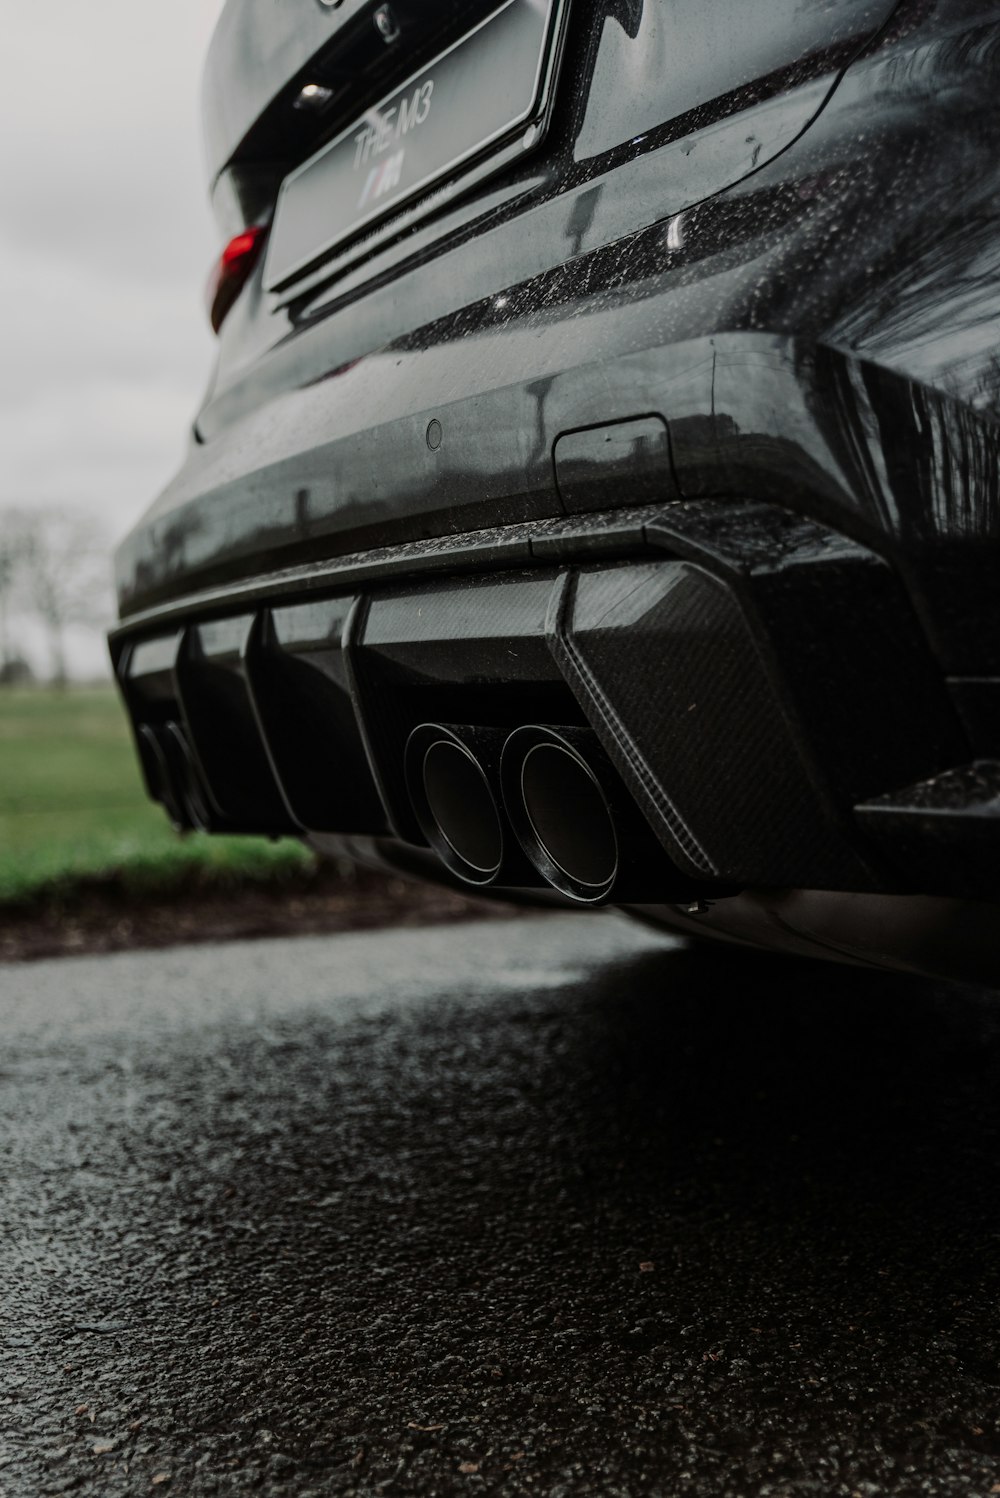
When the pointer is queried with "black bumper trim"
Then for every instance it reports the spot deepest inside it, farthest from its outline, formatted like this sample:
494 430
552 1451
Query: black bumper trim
609 533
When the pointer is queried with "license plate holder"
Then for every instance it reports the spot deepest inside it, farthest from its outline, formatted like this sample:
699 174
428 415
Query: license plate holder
489 89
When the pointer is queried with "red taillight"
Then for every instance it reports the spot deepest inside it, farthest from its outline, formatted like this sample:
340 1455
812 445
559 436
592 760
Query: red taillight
230 274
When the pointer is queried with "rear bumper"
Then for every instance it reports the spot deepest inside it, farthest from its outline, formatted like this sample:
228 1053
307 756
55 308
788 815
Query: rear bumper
288 494
760 683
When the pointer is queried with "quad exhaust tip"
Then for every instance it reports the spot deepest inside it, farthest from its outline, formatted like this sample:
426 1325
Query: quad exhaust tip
172 776
453 800
540 805
559 810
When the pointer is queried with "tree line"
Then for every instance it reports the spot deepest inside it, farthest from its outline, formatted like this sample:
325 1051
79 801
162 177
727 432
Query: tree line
55 572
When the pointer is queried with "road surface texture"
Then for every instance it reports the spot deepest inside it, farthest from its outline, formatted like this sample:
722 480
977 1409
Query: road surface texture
551 1206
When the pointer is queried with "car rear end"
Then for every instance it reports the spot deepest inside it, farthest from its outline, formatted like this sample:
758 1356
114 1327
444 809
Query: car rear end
596 494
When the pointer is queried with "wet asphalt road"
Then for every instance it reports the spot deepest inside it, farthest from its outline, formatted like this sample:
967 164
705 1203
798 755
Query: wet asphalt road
546 1206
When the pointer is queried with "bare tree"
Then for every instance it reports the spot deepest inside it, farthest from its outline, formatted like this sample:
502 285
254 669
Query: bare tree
63 574
11 559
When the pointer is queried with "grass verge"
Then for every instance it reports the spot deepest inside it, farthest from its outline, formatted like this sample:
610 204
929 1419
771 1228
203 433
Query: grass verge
72 807
88 864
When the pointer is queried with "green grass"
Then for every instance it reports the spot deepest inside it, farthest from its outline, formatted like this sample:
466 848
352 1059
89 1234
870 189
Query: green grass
72 804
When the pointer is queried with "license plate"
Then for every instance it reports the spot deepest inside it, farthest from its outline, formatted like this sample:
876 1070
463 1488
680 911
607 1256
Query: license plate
481 93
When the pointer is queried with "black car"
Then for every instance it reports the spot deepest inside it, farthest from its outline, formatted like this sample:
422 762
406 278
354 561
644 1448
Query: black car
598 491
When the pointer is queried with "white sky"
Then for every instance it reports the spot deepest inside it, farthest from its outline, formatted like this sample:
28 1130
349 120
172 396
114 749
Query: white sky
106 242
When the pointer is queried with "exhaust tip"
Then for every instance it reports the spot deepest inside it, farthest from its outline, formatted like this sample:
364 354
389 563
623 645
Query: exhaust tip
560 813
454 803
154 766
171 776
195 809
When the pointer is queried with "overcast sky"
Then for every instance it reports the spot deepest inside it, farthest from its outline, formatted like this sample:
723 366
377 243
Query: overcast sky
106 242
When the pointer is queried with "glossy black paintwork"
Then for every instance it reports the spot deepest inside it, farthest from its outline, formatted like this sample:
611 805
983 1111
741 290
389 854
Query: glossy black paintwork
710 379
822 332
632 455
